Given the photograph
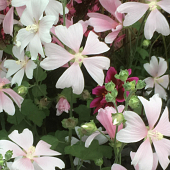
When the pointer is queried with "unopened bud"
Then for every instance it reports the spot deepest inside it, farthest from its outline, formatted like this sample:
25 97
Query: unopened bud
69 123
8 155
123 75
109 97
134 102
86 95
90 127
110 86
22 90
117 118
1 163
140 84
130 85
99 162
146 43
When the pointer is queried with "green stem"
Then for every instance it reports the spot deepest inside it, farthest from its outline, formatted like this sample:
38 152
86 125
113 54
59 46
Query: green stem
64 15
78 167
114 102
166 54
115 148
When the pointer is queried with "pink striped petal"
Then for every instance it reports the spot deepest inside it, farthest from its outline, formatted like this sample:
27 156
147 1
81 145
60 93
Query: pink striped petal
8 22
3 4
24 139
52 163
95 67
23 163
145 161
162 148
43 148
152 109
72 77
6 145
72 36
135 129
134 10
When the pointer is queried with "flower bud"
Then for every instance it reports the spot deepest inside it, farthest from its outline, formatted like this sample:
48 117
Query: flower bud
134 102
69 123
114 93
117 118
146 43
86 95
22 90
130 85
123 75
140 84
90 127
98 162
110 86
8 155
109 97
1 163
62 106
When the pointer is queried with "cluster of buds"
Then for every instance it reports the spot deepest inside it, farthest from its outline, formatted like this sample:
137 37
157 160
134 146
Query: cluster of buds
3 162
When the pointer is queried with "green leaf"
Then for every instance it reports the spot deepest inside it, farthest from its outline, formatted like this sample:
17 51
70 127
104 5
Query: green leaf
31 111
52 140
106 168
136 25
39 90
94 151
16 118
142 52
83 112
39 74
8 49
3 134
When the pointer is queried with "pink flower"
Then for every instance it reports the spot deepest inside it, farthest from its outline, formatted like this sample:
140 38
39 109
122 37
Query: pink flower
37 29
136 130
102 22
23 64
117 167
6 103
62 106
105 118
155 21
156 70
28 156
58 56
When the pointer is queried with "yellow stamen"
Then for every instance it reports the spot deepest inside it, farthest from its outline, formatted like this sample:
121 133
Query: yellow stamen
30 152
153 5
153 134
32 28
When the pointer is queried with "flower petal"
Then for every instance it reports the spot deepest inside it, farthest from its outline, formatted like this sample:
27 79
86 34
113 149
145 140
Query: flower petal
161 91
43 148
152 108
24 139
162 67
164 81
93 45
135 129
149 82
17 78
95 67
117 167
134 10
30 68
72 36
23 163
72 77
52 163
165 5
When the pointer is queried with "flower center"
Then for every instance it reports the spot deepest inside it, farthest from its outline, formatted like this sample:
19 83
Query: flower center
21 62
153 5
153 134
30 152
32 28
79 58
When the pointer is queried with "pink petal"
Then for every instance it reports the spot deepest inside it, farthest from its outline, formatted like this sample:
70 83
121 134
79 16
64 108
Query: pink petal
52 163
95 67
152 108
93 45
101 22
43 148
8 22
135 129
134 10
110 5
111 36
117 167
145 161
156 22
161 91
72 77
163 125
23 163
6 145
18 3
71 37
17 98
162 67
24 139
44 28
152 67
35 47
7 104
162 148
57 57
149 82
20 10
3 4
